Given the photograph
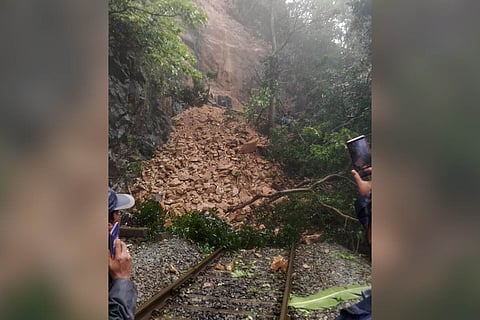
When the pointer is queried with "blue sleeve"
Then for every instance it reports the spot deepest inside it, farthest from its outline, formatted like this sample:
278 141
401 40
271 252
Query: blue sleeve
122 299
363 209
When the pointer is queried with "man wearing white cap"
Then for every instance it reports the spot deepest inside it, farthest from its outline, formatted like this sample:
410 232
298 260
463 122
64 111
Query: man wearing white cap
122 293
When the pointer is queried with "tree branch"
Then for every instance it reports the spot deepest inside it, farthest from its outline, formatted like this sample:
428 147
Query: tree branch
338 211
297 189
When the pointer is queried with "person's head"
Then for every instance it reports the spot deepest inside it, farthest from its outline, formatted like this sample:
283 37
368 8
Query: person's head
117 202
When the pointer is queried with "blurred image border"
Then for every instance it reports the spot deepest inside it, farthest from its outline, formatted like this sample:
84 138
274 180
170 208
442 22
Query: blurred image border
425 215
54 159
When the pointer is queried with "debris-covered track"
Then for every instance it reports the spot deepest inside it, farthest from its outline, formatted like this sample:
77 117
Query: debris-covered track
159 300
226 285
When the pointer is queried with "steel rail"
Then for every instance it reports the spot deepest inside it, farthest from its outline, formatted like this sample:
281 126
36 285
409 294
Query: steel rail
288 286
158 300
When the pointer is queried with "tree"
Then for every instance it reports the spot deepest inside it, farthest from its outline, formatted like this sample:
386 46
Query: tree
151 29
319 70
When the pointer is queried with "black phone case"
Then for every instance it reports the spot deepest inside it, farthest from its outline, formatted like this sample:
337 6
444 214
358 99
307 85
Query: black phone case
360 155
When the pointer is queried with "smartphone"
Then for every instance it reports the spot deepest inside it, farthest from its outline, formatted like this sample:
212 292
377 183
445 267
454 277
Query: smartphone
360 154
114 233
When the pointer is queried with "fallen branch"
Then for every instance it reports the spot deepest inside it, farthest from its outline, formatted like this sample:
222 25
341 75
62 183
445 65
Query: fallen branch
244 204
338 211
274 196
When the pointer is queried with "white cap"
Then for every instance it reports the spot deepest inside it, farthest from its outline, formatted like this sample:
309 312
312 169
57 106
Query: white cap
119 201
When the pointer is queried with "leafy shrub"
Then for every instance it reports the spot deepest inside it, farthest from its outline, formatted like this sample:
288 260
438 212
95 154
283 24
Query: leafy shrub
257 104
301 212
152 216
283 224
210 231
308 151
203 228
196 95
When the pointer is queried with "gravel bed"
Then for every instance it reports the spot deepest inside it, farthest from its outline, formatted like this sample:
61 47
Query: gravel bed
317 266
320 266
152 262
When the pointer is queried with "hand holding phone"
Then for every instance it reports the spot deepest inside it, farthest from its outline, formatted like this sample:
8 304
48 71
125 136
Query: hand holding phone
120 267
364 186
360 154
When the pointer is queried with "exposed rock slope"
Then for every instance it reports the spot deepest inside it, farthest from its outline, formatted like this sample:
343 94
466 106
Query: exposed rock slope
224 46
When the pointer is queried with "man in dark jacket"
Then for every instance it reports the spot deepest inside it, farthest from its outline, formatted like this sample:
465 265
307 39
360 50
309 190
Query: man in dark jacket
363 209
122 293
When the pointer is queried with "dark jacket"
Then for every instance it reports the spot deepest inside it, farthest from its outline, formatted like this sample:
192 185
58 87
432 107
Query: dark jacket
122 299
363 309
363 209
359 311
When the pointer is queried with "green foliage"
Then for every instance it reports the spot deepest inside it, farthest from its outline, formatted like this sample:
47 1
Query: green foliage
211 232
323 63
193 96
133 170
286 221
257 104
206 248
330 149
151 30
345 256
323 78
309 150
240 274
212 75
249 237
283 223
324 72
314 152
327 298
203 228
151 215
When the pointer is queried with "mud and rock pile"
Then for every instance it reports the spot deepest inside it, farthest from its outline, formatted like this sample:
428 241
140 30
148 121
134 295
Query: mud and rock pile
210 160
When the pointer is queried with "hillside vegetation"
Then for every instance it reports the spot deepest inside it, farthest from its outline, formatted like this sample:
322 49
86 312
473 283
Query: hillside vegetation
309 93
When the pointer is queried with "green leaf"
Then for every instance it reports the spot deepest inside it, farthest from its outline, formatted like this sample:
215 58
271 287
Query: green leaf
327 298
240 274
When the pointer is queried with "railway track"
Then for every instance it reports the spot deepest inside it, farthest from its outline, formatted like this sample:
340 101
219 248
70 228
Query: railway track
226 285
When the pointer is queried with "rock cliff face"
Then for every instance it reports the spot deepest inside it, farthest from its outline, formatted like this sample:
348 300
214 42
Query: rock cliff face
140 119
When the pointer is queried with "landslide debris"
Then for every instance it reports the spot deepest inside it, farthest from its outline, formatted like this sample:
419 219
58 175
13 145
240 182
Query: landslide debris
210 160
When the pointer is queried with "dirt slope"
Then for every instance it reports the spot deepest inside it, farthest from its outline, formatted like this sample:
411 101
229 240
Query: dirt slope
226 47
210 160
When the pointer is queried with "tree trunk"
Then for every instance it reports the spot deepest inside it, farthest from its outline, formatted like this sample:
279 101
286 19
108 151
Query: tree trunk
273 71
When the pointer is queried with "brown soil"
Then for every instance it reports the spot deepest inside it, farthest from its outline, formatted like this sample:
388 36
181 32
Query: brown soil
226 47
